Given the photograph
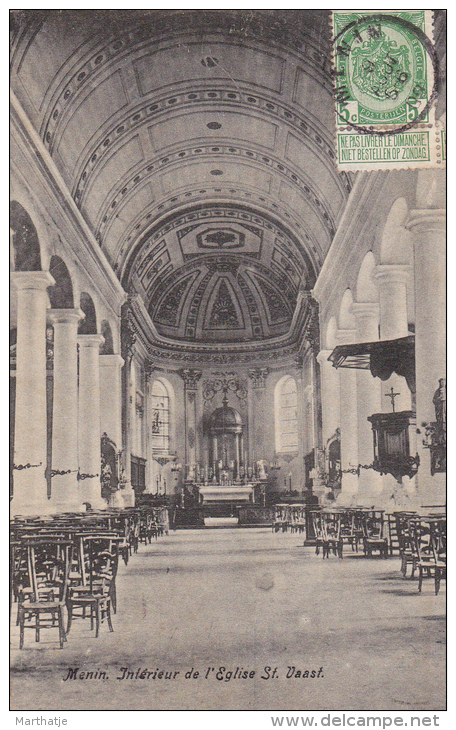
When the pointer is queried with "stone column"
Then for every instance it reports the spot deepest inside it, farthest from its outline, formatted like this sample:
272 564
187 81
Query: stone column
191 378
392 280
428 231
348 424
65 494
330 407
111 415
330 395
258 424
30 443
368 389
89 421
111 397
152 466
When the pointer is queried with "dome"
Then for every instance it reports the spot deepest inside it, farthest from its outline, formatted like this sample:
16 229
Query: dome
225 420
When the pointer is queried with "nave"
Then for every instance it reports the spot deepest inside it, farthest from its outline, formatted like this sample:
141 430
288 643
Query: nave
251 599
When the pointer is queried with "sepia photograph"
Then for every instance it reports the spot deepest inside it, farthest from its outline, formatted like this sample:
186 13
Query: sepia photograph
228 363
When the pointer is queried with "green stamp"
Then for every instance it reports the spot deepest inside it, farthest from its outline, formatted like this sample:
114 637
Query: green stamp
385 70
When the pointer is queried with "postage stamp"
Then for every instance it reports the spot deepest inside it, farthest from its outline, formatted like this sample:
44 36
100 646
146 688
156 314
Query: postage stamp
386 83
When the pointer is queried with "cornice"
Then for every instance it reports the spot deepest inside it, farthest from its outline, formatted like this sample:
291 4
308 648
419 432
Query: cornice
364 198
247 213
72 225
163 349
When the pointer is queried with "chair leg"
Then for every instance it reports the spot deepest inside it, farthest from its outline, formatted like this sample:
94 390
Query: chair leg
437 581
61 629
97 619
114 597
21 618
108 615
37 628
420 578
70 616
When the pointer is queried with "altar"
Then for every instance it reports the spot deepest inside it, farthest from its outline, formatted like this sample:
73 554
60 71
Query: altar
216 493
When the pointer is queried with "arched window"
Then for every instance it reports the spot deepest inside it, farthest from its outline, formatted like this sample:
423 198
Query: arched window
160 408
286 415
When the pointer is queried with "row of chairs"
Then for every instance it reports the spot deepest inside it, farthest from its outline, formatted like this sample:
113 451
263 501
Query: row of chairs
334 528
289 517
422 545
70 563
420 540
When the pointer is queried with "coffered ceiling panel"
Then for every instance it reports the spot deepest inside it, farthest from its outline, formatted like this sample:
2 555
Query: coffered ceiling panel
213 125
85 120
205 172
110 175
207 60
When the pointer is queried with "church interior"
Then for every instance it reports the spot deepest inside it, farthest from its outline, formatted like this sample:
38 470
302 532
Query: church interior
213 328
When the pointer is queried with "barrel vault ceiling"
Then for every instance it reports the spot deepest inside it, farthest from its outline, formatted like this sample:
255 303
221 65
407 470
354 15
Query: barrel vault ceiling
198 146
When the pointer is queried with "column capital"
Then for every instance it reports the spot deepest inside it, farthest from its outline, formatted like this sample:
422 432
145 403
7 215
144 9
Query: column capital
365 309
38 280
90 340
346 337
109 360
426 219
258 377
65 316
190 378
392 273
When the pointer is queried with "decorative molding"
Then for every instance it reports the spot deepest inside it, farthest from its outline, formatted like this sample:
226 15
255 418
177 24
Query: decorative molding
190 377
242 214
226 382
128 332
258 377
149 369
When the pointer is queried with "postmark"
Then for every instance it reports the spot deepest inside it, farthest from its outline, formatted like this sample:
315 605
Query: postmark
385 72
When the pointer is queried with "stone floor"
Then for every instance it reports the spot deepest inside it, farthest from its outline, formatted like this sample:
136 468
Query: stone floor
251 599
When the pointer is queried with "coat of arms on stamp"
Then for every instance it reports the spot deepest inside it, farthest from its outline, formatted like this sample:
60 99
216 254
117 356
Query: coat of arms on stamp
385 84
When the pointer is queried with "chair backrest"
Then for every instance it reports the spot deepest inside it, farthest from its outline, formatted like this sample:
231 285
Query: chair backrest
438 539
317 525
373 525
331 525
54 557
420 531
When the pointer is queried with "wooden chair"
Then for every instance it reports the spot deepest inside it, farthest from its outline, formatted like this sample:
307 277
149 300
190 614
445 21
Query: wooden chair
374 534
430 544
407 550
318 530
98 594
349 531
438 542
332 539
48 569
